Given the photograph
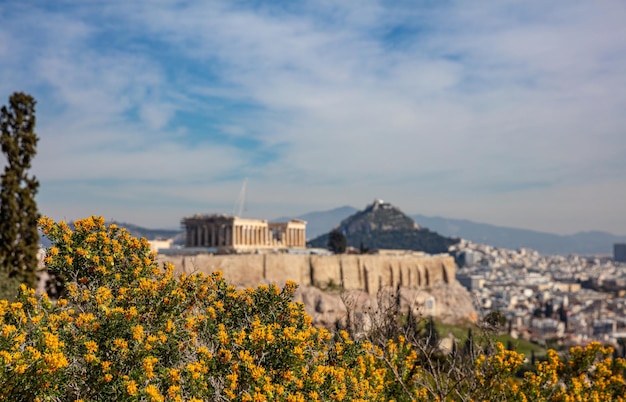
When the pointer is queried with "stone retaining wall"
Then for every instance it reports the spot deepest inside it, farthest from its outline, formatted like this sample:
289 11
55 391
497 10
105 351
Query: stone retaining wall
350 272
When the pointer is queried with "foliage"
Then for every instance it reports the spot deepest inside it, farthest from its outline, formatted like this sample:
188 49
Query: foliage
129 330
406 239
18 211
383 226
337 242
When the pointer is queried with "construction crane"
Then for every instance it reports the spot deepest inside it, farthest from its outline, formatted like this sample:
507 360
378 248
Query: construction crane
240 204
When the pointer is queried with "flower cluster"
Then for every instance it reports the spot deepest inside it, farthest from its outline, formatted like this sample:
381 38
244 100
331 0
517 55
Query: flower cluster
127 329
586 374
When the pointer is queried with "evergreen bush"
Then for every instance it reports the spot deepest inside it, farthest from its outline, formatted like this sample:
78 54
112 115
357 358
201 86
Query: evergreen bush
126 329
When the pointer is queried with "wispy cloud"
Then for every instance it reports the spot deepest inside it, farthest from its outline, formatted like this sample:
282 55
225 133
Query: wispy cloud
451 109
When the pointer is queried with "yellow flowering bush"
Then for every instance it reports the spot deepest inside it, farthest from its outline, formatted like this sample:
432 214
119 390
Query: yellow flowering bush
126 329
587 373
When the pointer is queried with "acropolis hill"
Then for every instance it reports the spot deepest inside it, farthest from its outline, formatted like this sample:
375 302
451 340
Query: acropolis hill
259 252
252 252
364 272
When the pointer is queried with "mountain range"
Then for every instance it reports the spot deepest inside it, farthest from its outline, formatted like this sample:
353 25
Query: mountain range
583 243
321 222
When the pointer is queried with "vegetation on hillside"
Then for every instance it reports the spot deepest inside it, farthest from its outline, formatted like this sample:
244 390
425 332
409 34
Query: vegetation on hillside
383 226
18 210
413 239
337 242
127 329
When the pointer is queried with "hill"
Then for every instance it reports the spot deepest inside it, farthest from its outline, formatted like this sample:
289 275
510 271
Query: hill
383 226
584 243
322 222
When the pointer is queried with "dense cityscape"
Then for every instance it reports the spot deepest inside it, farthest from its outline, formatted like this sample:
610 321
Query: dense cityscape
552 300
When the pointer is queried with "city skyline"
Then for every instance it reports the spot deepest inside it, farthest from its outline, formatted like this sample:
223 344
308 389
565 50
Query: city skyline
508 113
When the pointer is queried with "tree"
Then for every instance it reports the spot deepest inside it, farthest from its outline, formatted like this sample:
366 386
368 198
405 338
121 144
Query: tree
18 210
337 242
431 334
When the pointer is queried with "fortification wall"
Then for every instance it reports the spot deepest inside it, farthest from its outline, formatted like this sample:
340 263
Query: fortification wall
352 272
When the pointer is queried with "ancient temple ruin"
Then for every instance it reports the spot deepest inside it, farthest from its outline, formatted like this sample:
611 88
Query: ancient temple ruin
228 233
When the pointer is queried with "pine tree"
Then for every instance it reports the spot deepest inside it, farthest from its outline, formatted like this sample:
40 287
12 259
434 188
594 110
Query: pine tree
337 242
18 210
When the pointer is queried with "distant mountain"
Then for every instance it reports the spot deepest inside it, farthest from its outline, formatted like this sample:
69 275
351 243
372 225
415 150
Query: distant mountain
590 243
321 222
383 226
153 234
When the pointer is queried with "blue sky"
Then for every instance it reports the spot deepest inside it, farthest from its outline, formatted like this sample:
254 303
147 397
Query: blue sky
510 113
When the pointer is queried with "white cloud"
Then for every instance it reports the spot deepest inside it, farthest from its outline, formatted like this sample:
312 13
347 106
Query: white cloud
476 106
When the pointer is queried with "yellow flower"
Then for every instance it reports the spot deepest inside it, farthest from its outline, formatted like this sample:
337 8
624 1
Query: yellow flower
148 366
120 344
55 361
106 366
137 332
173 391
174 375
8 329
21 368
91 346
131 388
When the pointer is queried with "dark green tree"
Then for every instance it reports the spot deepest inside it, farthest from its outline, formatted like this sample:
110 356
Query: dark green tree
18 210
431 334
337 242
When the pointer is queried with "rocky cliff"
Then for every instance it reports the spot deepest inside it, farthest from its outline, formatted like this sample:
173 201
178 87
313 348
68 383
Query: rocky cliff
420 278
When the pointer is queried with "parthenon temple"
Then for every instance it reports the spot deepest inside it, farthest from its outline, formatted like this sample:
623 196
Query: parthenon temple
233 234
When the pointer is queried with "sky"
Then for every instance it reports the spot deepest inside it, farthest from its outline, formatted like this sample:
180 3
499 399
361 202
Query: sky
504 112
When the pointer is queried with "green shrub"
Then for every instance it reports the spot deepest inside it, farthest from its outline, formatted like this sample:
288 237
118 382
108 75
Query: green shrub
126 329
